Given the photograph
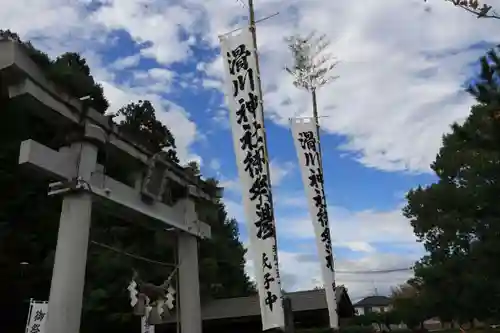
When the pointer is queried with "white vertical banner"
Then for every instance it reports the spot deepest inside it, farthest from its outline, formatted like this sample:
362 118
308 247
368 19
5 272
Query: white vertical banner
36 317
245 108
305 137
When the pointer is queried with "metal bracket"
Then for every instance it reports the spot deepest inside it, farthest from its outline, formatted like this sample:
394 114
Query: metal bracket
68 186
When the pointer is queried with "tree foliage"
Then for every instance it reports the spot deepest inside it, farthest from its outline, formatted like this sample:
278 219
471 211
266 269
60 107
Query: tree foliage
411 304
69 72
476 7
311 64
194 168
141 125
485 87
29 218
458 218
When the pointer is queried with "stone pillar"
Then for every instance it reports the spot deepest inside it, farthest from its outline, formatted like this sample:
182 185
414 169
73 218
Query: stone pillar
189 280
68 275
289 319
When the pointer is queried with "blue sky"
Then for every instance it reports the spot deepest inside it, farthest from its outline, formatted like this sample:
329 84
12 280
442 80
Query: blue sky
402 72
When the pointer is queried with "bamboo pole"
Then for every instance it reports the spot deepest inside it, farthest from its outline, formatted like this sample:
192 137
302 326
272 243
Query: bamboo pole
251 21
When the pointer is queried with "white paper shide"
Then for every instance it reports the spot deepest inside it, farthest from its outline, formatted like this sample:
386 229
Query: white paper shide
145 326
37 317
245 108
305 137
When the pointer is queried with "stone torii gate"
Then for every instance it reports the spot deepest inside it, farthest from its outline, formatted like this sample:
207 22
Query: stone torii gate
82 182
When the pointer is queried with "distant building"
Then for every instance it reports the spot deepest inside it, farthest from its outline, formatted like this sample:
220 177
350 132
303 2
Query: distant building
372 304
242 314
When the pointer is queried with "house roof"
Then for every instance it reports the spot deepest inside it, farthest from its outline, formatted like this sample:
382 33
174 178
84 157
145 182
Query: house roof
249 306
374 301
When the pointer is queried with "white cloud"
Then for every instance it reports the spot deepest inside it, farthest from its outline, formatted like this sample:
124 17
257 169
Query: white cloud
221 118
153 76
161 74
284 199
235 210
167 112
41 18
368 226
58 26
357 246
126 62
379 240
209 84
215 164
401 72
155 24
279 171
360 231
183 129
301 271
232 185
402 62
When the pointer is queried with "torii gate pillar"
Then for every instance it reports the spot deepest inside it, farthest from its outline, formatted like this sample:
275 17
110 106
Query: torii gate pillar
189 288
68 275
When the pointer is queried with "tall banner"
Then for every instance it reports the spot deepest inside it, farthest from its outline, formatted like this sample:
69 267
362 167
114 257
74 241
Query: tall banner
305 137
246 116
37 316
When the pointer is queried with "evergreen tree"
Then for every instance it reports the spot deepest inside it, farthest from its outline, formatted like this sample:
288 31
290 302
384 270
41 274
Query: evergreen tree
71 71
458 218
485 87
141 125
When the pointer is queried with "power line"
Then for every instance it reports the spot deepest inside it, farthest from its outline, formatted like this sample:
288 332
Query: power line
371 281
382 271
156 262
134 256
